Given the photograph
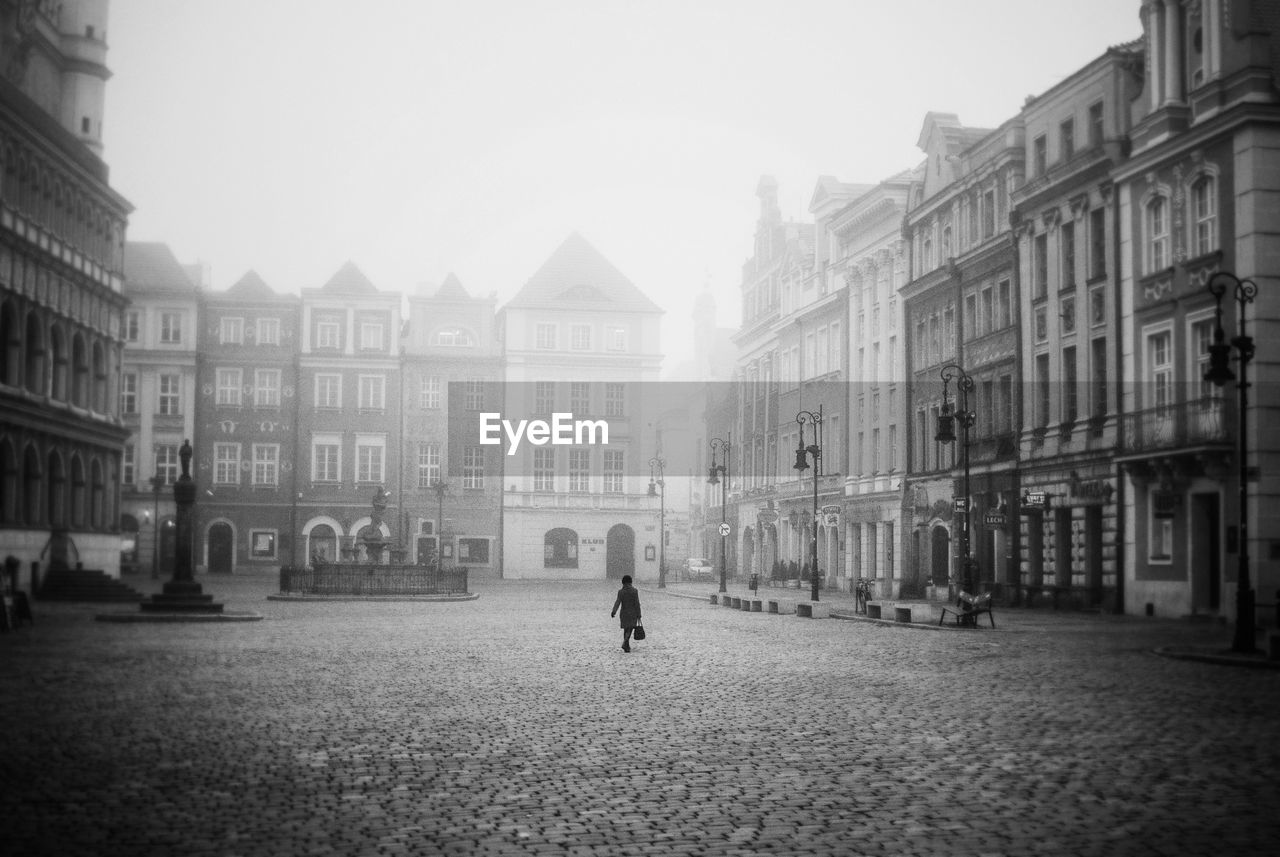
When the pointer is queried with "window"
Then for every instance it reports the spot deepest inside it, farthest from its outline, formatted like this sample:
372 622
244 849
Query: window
1004 413
1160 369
1204 210
231 331
1160 542
1004 305
326 458
971 330
544 469
170 327
132 325
327 333
428 464
616 338
1095 124
262 544
988 214
1067 314
1067 247
1097 306
1041 323
167 462
328 391
454 337
1040 155
129 393
170 398
1097 243
226 464
474 397
473 467
266 464
875 450
373 392
473 551
1042 390
544 397
579 469
893 447
430 394
1201 337
986 310
371 336
613 471
1098 389
545 336
268 331
266 388
615 398
370 455
1040 259
1067 139
129 466
1070 392
580 337
579 397
227 387
1157 235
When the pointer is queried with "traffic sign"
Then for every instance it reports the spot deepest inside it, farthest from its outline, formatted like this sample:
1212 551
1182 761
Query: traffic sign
725 528
962 504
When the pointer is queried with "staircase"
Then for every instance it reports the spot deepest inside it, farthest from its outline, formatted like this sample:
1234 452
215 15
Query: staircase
84 585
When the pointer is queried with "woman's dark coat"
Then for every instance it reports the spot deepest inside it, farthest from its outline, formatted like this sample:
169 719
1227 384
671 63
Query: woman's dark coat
629 600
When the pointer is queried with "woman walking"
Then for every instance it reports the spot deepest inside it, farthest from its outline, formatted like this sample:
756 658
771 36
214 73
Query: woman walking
629 600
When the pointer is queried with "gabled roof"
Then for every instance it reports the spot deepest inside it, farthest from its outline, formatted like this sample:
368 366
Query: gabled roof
150 268
451 289
578 275
349 280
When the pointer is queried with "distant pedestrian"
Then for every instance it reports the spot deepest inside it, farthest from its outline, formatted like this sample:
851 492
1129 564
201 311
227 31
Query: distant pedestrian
629 600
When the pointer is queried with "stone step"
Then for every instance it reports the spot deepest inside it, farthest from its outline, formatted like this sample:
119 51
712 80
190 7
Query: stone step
85 585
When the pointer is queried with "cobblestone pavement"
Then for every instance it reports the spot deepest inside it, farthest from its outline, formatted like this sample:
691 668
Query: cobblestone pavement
514 724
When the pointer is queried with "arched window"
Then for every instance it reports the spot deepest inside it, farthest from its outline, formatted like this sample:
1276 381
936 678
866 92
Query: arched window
1204 216
98 401
560 548
56 514
58 358
31 478
35 355
78 488
8 482
1157 235
80 365
10 344
97 495
323 543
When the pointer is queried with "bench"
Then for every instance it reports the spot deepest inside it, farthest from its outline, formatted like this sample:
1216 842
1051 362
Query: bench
777 605
813 609
967 610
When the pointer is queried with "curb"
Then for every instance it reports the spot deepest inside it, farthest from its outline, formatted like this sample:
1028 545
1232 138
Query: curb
847 617
470 596
1229 659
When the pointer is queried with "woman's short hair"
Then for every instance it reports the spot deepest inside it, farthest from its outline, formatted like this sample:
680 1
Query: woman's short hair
626 580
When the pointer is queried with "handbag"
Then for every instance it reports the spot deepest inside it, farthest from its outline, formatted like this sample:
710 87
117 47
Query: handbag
638 633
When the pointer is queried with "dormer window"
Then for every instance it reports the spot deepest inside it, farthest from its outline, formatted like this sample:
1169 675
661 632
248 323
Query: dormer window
454 337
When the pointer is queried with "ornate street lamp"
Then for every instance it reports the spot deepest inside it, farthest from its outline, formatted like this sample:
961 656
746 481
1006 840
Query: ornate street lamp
947 434
1219 373
441 488
813 450
717 472
658 488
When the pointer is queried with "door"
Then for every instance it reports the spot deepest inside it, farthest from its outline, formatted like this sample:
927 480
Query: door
1093 553
940 567
620 552
221 548
1206 553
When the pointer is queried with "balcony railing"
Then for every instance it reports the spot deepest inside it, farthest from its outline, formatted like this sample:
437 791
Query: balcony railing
1199 422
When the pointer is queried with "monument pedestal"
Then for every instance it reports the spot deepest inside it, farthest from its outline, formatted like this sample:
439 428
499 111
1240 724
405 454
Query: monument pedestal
181 596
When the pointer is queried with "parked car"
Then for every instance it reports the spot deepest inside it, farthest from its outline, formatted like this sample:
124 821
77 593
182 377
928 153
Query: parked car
698 568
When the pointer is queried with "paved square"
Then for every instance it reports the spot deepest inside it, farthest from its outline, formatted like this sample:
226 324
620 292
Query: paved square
515 724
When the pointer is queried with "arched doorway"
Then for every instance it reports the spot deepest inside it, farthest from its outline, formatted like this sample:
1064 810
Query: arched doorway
221 548
940 567
620 551
322 544
560 548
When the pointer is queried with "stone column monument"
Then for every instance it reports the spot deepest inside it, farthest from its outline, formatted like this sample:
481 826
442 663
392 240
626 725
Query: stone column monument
182 594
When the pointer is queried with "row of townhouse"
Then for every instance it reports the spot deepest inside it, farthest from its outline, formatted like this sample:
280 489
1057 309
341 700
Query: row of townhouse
305 409
1050 278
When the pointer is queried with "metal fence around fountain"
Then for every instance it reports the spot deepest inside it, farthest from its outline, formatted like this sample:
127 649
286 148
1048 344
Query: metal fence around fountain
363 579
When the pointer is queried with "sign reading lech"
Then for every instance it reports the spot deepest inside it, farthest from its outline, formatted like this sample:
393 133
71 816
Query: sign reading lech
994 520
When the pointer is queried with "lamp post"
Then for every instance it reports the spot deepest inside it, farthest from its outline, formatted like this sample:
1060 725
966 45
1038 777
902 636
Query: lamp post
947 434
814 451
714 478
441 488
1219 373
658 488
157 483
